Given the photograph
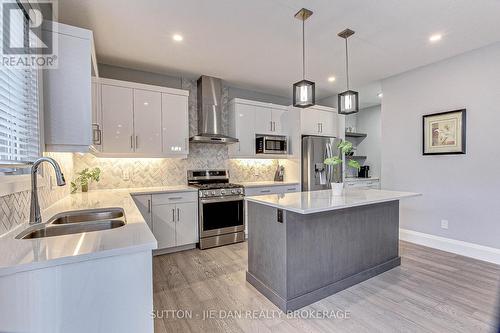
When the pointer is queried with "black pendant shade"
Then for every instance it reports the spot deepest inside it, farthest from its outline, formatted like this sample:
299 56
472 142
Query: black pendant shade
304 94
348 102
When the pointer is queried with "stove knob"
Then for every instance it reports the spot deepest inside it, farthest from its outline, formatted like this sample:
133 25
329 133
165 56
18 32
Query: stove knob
222 192
233 191
213 192
239 191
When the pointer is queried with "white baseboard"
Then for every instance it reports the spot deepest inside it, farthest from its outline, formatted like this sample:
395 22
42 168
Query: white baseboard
466 249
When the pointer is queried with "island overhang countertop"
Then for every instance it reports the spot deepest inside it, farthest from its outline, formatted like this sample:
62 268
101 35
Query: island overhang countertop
323 201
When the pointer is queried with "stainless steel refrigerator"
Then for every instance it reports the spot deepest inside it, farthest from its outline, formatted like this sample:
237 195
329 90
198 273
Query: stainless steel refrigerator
315 174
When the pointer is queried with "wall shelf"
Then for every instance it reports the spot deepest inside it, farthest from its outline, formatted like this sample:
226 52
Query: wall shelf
355 135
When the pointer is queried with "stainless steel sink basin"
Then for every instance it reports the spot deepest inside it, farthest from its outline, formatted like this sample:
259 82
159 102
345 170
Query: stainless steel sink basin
50 230
88 216
75 222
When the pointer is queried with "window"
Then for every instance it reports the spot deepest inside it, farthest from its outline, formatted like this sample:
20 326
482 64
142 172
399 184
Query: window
19 110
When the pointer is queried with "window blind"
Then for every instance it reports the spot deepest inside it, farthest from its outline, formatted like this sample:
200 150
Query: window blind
19 107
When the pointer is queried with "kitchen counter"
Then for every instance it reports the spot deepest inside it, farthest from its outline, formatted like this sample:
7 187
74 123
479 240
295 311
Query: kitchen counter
303 247
28 254
266 183
322 201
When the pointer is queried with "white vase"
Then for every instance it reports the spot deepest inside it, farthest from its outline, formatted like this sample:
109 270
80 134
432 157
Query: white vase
337 188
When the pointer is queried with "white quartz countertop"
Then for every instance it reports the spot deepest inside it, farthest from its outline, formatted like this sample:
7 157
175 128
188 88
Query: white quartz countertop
267 183
322 201
27 254
359 179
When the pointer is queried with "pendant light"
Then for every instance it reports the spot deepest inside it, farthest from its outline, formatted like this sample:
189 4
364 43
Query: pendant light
303 91
348 102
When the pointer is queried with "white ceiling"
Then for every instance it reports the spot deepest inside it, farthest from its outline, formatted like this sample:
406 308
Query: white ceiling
257 44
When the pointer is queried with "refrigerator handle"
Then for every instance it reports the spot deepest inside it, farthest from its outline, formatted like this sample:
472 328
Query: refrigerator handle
328 167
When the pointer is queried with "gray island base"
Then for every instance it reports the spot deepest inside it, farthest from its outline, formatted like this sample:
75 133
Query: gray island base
295 259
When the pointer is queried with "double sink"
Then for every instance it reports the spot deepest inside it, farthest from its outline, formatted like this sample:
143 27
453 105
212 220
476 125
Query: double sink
75 222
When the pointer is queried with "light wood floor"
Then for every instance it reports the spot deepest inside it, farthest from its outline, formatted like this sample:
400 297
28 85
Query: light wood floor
432 291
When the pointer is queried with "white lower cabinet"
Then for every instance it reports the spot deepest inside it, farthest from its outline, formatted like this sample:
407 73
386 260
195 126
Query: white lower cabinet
172 217
164 225
363 183
186 226
276 189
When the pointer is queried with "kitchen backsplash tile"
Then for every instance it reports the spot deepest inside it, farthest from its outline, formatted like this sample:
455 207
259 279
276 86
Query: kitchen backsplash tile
14 208
144 172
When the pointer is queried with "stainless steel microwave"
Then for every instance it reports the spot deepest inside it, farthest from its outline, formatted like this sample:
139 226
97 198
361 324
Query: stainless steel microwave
271 144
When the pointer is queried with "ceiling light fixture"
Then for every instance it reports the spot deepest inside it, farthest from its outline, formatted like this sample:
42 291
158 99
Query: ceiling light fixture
435 38
348 101
304 91
177 38
331 79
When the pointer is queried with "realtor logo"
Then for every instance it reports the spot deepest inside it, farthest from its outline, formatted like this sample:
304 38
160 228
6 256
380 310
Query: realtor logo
29 36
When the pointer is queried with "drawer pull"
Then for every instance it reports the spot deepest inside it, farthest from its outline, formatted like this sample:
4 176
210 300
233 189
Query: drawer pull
175 198
265 191
291 189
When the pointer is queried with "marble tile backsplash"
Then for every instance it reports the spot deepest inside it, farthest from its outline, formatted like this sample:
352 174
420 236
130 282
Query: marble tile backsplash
145 172
14 208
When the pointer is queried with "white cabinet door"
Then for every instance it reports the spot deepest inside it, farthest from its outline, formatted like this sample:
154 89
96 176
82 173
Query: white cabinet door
117 119
309 122
147 122
244 121
327 123
143 202
278 121
164 217
187 223
263 120
175 124
67 96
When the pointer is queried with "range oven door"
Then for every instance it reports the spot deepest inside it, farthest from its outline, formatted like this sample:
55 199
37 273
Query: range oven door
220 216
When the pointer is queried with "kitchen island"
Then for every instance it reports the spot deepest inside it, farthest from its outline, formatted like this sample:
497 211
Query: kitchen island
305 246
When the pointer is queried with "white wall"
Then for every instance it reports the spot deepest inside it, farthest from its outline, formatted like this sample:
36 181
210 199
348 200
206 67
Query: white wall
369 122
464 189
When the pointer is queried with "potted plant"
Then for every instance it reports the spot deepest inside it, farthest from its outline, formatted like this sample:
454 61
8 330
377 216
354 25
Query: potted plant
346 150
84 178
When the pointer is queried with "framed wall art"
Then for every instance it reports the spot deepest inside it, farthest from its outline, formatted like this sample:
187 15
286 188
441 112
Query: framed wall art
444 133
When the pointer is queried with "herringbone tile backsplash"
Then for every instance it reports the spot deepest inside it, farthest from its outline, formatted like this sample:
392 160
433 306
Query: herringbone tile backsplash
14 208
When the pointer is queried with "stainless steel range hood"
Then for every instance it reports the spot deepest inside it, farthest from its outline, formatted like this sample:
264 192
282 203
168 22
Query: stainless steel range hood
210 112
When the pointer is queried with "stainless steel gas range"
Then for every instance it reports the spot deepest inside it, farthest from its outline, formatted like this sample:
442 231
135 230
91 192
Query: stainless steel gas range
221 208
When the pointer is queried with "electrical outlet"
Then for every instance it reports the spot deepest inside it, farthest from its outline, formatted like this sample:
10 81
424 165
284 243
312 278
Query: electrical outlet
444 224
125 175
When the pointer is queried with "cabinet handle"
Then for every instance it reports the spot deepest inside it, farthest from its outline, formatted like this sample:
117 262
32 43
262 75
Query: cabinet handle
318 129
265 191
136 140
271 126
149 205
274 126
173 215
291 189
97 135
321 127
178 214
131 142
175 198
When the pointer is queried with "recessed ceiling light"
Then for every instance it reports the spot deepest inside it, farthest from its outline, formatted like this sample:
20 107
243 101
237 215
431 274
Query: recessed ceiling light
380 95
331 79
435 38
177 38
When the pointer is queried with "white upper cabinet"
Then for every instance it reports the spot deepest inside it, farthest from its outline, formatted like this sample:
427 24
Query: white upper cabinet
319 120
117 119
67 92
141 120
147 122
242 126
175 124
248 118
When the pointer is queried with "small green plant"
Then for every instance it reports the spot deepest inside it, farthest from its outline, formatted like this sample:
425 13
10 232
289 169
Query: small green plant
83 179
345 149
